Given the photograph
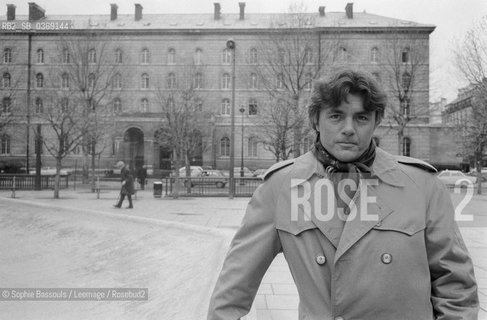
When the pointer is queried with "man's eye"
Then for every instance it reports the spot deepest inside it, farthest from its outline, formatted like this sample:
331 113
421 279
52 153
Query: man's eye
363 118
334 116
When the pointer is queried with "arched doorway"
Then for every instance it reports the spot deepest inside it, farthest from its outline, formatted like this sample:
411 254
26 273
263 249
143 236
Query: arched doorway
133 141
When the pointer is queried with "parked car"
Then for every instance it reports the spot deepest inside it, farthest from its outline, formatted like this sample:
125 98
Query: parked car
195 171
209 177
450 177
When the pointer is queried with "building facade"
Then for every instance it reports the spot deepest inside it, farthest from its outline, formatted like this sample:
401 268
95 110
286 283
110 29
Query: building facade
148 55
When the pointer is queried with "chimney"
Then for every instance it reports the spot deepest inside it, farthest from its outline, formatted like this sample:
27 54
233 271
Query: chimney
349 10
35 12
242 10
138 11
113 11
322 11
11 12
217 10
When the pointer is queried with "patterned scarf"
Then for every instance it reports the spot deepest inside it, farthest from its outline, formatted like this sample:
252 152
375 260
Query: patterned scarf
338 170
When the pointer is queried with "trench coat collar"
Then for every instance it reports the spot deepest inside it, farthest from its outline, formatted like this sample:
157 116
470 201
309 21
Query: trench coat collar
385 168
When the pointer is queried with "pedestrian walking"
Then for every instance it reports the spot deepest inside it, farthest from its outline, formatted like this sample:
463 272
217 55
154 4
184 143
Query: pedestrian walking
127 188
366 234
142 176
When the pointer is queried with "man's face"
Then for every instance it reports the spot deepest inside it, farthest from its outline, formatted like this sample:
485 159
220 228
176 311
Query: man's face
346 131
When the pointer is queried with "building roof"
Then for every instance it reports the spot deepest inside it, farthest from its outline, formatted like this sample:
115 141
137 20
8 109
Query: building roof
229 21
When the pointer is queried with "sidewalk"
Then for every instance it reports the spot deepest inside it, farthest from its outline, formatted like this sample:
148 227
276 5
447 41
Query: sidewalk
277 298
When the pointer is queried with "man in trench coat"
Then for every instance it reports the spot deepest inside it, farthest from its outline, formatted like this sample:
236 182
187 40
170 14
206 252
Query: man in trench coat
367 235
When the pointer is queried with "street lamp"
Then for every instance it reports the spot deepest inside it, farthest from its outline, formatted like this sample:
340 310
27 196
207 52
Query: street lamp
231 189
242 110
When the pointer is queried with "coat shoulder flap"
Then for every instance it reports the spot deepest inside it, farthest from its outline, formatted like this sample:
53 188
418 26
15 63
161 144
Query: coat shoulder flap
276 167
416 163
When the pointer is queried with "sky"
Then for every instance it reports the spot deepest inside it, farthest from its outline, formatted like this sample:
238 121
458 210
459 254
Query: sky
452 19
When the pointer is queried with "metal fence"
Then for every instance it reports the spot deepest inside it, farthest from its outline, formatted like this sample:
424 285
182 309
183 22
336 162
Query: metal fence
27 182
210 187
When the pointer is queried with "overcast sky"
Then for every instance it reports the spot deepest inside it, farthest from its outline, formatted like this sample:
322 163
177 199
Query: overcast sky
452 19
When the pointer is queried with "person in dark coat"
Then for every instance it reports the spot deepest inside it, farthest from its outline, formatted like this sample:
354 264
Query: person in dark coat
127 187
142 176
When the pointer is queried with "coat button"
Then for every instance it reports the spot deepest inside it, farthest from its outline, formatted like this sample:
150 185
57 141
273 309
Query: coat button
320 260
386 258
339 318
378 224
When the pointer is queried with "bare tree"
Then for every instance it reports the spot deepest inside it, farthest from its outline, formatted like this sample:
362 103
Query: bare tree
66 126
278 121
291 56
471 61
88 68
406 75
182 125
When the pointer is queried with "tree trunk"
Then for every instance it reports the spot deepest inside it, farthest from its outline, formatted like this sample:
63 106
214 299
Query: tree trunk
93 179
188 172
479 163
56 180
175 187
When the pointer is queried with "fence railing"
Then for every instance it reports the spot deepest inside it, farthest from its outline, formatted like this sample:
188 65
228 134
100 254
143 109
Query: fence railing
27 182
211 187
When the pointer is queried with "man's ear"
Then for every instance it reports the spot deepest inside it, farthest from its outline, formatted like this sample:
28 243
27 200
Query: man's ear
377 121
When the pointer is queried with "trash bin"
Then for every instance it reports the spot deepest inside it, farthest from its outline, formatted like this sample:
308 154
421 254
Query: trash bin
157 189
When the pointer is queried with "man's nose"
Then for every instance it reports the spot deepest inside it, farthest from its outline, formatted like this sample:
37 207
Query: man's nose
348 128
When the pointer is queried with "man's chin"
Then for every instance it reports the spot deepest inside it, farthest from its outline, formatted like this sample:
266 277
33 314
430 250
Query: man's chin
346 155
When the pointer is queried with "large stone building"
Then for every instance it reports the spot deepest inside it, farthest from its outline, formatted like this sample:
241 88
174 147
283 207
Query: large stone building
150 53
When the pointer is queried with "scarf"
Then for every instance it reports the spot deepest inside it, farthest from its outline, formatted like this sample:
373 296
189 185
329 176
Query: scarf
338 170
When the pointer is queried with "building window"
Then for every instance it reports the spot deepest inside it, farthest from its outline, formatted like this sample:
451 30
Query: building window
281 56
145 56
253 81
144 105
171 56
39 105
253 56
405 55
225 147
64 105
198 55
39 80
280 81
65 81
92 56
226 106
308 84
253 107
7 55
308 56
405 108
66 58
117 81
406 146
117 105
374 55
406 81
226 81
40 56
5 149
118 56
171 81
198 81
91 81
6 80
6 105
144 84
227 56
252 147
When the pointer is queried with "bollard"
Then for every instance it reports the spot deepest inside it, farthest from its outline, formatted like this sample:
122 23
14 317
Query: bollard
13 187
98 187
